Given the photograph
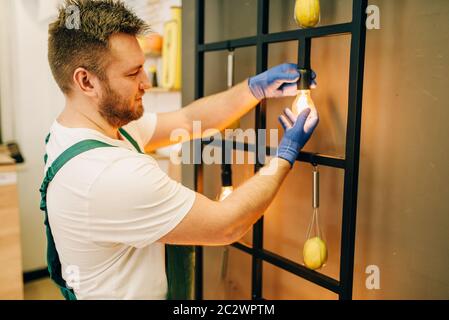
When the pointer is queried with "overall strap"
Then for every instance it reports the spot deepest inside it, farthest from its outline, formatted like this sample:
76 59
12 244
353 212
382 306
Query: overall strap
66 156
53 261
130 139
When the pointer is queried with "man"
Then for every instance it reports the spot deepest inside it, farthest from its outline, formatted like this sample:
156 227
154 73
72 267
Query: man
111 209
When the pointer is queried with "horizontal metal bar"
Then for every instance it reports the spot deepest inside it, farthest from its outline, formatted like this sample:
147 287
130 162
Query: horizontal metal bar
292 267
313 158
320 159
324 31
236 145
242 247
229 44
318 32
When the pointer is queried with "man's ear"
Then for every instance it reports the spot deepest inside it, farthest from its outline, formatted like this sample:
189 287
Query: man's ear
86 82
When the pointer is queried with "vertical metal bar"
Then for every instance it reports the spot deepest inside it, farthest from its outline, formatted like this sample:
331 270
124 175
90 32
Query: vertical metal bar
262 63
304 52
199 55
356 72
199 93
226 152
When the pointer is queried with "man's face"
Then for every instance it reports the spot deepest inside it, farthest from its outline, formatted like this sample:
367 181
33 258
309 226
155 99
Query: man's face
121 100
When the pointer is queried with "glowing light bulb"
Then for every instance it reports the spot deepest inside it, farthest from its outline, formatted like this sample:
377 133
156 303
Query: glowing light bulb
303 101
225 192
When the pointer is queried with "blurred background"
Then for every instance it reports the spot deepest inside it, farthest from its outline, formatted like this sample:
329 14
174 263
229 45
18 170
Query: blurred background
403 207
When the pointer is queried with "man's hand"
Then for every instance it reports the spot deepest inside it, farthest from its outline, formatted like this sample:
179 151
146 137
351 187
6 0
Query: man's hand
295 136
276 82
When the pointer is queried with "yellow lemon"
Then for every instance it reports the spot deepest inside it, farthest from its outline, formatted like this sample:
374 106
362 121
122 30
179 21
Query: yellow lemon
307 13
314 253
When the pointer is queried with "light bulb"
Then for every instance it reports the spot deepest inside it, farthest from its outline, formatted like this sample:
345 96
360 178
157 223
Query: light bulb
225 192
303 101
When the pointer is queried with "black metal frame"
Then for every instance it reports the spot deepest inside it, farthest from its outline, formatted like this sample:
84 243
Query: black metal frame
350 164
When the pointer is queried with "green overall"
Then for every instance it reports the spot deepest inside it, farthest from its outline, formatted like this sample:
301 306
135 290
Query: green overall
179 259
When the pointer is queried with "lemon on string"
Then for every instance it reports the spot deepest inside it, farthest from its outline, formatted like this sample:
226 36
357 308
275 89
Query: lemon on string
315 253
315 250
307 13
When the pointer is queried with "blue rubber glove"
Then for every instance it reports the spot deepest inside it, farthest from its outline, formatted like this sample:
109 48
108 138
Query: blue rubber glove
279 81
295 137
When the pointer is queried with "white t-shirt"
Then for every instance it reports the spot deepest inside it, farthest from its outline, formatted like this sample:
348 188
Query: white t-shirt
107 209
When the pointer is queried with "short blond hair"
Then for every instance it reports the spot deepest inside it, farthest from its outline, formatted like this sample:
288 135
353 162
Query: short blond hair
86 43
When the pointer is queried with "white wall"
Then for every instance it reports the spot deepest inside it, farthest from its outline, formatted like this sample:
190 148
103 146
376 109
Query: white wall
32 103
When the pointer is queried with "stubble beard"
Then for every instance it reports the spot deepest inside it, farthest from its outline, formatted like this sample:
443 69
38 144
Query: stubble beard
116 110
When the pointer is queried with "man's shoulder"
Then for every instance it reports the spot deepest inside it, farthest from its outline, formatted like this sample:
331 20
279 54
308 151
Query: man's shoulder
118 159
115 165
115 156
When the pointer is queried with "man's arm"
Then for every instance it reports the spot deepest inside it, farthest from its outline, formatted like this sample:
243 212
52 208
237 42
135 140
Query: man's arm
222 223
217 111
221 110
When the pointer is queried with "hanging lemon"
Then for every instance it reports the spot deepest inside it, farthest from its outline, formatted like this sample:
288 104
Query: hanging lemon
315 253
307 13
